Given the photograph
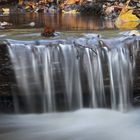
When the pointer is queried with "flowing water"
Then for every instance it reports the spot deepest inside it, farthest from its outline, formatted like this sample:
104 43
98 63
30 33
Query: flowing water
74 73
85 124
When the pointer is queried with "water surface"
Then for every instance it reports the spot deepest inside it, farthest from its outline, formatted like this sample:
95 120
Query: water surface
85 124
59 21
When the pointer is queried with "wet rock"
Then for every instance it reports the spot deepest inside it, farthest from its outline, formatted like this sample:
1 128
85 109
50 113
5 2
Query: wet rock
7 78
31 24
48 32
4 25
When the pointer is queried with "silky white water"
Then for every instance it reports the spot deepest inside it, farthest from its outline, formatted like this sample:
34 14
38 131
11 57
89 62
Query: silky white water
73 73
84 124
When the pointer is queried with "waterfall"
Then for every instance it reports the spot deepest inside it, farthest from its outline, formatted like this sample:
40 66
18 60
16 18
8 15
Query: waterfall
74 73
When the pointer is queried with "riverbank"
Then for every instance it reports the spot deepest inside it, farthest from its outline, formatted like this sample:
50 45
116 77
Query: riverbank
104 9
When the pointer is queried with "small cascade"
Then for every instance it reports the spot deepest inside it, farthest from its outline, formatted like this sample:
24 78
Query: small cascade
66 75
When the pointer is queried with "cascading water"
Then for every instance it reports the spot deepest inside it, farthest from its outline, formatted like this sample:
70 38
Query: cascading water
71 74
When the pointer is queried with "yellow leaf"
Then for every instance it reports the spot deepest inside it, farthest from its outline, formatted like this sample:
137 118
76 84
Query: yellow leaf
127 20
